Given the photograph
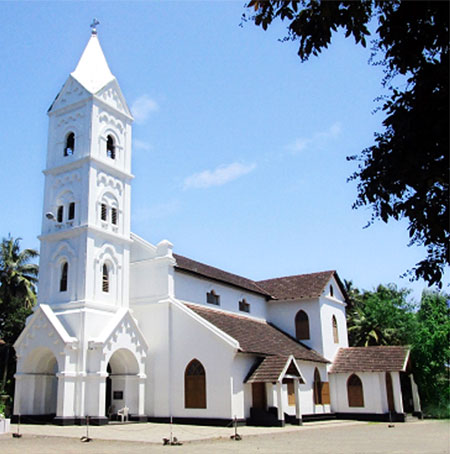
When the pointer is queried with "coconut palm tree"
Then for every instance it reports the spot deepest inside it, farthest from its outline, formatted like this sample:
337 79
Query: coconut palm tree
18 279
18 275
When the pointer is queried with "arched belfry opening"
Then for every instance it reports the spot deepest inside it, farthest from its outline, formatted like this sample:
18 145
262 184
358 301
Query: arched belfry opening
122 383
70 144
39 384
110 147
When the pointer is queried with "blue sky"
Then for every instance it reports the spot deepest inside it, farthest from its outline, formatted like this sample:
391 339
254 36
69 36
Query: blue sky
239 148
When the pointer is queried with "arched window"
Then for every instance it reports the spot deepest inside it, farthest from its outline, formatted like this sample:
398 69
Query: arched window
331 291
70 144
71 214
355 391
317 388
60 213
63 278
301 325
335 330
105 278
104 212
114 216
195 385
110 147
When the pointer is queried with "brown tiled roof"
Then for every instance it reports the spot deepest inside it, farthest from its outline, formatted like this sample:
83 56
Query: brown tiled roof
269 370
191 266
370 359
301 286
257 336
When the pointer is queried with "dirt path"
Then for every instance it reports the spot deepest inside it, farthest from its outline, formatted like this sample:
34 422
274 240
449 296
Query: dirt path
425 437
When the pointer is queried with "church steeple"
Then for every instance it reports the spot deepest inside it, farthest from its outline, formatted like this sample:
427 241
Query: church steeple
92 71
86 218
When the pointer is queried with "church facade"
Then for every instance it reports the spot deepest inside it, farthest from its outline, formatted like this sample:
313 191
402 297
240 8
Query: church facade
125 324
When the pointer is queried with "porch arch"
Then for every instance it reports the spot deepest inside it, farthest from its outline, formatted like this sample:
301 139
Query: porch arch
38 383
123 383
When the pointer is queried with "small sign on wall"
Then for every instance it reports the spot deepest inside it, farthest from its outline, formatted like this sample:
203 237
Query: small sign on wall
118 395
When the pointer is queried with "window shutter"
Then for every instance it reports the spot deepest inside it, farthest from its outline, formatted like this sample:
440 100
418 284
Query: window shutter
291 392
326 393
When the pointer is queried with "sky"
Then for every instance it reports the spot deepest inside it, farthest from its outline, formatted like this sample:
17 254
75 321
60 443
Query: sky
239 149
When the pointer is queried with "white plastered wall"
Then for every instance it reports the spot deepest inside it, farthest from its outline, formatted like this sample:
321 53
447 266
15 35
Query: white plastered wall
241 392
374 390
307 406
193 289
282 314
176 336
330 307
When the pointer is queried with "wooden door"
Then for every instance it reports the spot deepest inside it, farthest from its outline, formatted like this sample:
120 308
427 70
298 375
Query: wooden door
259 395
390 392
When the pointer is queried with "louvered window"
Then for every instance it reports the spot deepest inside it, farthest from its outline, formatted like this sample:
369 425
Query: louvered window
105 278
104 212
114 216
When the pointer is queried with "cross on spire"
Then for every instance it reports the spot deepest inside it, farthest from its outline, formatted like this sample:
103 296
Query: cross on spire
94 24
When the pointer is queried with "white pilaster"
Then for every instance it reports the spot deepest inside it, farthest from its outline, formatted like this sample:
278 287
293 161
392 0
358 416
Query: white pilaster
280 406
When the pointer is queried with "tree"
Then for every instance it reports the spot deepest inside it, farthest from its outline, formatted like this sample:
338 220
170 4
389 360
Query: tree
385 317
405 174
380 317
18 278
431 353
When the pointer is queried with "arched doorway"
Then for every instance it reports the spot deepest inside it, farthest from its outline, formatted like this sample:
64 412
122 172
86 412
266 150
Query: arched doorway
122 383
355 393
39 389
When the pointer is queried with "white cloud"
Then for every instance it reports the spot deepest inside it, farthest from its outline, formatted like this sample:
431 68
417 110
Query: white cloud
142 108
317 140
141 145
217 177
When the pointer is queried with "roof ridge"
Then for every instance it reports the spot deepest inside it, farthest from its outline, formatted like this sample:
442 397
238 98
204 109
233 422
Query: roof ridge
238 276
297 275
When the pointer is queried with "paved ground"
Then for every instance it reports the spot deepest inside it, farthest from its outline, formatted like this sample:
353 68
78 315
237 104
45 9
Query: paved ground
422 437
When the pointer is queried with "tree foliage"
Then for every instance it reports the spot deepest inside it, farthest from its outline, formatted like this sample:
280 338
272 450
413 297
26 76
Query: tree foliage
385 317
431 352
18 278
405 173
380 317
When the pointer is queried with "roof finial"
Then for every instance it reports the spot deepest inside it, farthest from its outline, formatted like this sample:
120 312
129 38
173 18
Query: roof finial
94 24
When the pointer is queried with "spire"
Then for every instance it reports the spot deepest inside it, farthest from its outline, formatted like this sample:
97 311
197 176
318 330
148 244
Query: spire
92 70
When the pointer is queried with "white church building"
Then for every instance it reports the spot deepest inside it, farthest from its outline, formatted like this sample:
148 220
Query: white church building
125 324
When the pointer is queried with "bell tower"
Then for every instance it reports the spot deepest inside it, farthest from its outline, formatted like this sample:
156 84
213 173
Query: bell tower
85 239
